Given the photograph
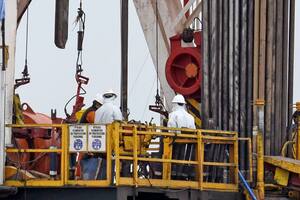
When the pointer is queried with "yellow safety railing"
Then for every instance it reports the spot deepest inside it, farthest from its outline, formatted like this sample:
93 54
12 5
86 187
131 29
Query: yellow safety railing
136 136
91 183
250 158
42 182
63 177
138 146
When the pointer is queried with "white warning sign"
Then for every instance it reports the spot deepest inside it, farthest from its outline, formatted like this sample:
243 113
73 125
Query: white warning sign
78 138
97 138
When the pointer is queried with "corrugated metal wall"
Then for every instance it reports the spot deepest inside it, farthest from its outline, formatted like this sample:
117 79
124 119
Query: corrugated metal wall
248 54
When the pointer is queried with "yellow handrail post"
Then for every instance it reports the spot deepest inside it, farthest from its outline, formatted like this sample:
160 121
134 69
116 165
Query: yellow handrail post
236 159
200 155
135 156
64 154
298 131
167 154
65 129
108 153
260 166
116 137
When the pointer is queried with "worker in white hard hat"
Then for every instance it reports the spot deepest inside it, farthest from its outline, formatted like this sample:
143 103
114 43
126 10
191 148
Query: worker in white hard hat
180 118
108 112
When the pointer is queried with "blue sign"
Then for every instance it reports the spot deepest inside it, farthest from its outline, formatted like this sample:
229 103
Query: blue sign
96 144
78 144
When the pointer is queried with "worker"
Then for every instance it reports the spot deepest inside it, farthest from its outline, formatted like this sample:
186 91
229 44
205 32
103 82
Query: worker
89 114
107 114
180 118
88 162
108 111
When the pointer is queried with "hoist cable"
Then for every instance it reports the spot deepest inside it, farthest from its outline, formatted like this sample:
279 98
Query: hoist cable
25 70
156 40
80 20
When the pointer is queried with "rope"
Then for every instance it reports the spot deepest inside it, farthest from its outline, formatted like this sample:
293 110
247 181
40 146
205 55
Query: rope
139 73
148 98
26 44
25 70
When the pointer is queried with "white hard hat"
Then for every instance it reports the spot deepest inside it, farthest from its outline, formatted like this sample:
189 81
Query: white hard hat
109 92
99 98
178 99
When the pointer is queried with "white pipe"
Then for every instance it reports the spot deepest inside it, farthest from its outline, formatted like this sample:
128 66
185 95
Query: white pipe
10 38
7 82
2 126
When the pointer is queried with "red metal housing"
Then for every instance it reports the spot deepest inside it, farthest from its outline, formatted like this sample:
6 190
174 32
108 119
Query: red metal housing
183 67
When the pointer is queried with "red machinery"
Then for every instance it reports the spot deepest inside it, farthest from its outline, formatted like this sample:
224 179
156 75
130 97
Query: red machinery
183 67
39 138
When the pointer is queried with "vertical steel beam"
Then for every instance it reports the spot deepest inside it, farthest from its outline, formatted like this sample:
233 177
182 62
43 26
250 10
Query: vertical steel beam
291 58
124 58
269 75
278 78
231 65
285 52
256 57
243 78
225 63
213 35
205 109
7 82
250 39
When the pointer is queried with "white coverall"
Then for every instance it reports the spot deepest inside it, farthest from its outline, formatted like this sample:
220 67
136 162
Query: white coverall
108 112
180 118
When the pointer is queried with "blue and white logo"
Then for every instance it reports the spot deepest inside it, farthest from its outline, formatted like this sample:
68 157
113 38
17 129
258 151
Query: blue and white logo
78 144
96 144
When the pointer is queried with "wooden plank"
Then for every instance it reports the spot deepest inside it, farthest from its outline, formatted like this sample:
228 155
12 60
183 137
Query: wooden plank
269 76
278 80
205 70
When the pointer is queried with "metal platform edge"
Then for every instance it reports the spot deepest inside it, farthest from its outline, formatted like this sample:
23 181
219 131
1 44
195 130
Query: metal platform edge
118 193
